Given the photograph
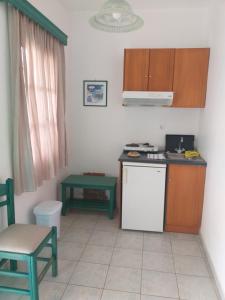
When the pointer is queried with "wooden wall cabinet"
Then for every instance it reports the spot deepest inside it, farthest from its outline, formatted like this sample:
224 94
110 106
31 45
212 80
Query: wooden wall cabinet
184 198
148 69
190 77
183 71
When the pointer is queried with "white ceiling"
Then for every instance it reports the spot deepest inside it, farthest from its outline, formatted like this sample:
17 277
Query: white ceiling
94 5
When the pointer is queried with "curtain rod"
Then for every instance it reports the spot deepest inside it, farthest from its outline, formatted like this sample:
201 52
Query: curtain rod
35 15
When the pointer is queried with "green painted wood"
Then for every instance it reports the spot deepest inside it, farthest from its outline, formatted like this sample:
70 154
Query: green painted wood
14 274
89 182
54 252
35 15
3 262
6 289
3 203
45 269
12 255
13 265
33 278
44 259
89 204
3 189
10 199
31 259
64 200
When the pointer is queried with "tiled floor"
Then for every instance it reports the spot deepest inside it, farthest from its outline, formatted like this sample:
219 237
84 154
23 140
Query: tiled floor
99 261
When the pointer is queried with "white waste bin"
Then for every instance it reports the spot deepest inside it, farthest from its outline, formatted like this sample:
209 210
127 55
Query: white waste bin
48 213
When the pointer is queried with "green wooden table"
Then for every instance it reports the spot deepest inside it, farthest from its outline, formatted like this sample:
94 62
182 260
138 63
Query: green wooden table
89 182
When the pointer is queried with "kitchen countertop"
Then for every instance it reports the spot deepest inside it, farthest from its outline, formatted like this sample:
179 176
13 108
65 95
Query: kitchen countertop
168 160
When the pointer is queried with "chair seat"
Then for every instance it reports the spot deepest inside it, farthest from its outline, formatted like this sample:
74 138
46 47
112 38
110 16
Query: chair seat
22 238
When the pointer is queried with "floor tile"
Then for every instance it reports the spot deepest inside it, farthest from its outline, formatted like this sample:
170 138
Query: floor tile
88 216
49 291
160 235
157 244
127 258
77 235
158 262
123 279
81 293
97 254
87 274
65 271
145 297
67 220
9 296
84 224
190 265
196 288
107 225
114 295
70 251
63 230
159 284
185 236
130 240
103 238
182 247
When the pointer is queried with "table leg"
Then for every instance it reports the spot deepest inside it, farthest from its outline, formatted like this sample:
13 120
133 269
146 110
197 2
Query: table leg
115 197
71 193
63 200
111 202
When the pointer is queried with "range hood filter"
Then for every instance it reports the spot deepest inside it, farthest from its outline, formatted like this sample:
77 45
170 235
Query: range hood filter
137 98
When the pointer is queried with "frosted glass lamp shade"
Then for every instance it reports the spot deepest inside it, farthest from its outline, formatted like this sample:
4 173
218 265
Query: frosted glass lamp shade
116 16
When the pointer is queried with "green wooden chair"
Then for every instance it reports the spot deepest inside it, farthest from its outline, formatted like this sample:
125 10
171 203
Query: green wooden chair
24 242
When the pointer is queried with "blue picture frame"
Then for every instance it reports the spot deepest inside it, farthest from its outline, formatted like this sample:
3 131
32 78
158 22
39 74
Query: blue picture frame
95 93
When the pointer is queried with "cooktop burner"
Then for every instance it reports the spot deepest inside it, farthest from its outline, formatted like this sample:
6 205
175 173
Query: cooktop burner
142 147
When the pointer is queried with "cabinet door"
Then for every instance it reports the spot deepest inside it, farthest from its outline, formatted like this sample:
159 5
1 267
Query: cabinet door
184 200
143 198
136 67
161 68
190 77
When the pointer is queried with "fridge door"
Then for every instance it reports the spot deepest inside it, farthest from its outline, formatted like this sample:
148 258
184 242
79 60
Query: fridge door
143 197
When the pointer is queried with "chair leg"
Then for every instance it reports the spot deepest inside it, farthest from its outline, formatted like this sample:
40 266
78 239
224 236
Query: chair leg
33 279
54 252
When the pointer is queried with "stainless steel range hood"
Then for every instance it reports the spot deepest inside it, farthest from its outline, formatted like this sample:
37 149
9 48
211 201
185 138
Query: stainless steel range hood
139 98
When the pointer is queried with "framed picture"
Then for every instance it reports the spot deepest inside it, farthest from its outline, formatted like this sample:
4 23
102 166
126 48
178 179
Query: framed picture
95 92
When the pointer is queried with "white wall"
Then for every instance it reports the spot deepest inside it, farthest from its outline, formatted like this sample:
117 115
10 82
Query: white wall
24 203
212 145
97 135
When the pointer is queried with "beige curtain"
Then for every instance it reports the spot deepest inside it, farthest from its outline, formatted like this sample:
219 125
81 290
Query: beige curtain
38 98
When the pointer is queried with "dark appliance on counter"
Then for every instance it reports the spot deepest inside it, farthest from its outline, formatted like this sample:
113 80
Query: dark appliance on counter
177 143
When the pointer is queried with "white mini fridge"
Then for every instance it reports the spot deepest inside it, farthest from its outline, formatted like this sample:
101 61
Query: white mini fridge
143 196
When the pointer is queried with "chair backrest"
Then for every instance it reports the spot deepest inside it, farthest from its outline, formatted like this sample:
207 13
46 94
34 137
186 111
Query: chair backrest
7 190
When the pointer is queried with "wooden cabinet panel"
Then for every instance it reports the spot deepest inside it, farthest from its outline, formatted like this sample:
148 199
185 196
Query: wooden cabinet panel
184 199
190 77
136 68
161 68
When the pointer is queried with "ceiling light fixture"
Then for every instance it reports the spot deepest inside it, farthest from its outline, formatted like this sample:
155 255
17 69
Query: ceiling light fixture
116 16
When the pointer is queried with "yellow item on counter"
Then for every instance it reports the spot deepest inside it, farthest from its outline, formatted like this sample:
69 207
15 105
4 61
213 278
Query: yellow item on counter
191 154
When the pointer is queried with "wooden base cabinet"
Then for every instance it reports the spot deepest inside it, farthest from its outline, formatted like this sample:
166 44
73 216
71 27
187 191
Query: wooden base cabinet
184 198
